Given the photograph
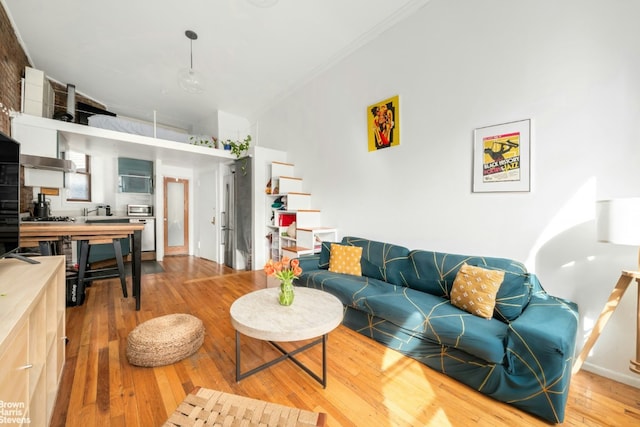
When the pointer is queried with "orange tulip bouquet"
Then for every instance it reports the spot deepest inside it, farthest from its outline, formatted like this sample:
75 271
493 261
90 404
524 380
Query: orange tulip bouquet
285 270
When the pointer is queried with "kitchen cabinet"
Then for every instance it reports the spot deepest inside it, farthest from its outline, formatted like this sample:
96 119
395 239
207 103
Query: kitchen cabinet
38 141
148 234
135 175
35 140
32 338
38 93
137 167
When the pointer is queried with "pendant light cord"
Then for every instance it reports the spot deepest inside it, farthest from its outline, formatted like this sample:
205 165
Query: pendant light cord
191 35
191 41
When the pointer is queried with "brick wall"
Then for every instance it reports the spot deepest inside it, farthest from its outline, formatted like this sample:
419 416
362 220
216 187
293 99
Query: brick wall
60 102
12 63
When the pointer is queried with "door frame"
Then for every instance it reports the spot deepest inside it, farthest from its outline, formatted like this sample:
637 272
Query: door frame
184 249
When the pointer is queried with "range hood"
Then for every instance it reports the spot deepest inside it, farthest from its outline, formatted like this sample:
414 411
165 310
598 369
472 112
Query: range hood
47 163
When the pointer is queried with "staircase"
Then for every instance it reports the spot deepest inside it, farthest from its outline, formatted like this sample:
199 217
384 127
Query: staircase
286 188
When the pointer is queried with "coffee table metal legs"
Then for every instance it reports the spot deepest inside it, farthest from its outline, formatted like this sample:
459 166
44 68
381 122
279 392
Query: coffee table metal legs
287 355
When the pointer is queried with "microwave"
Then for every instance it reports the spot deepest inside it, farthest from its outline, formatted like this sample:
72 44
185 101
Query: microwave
135 184
139 210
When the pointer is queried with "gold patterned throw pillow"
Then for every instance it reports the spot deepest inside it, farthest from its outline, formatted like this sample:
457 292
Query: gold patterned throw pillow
475 288
345 259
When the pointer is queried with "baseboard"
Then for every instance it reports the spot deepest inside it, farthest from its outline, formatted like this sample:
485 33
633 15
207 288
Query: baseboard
631 379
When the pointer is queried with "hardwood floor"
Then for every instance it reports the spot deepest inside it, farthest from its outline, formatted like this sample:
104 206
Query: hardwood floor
368 384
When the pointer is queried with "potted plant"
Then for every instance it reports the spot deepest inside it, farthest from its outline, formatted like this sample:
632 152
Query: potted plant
239 149
203 140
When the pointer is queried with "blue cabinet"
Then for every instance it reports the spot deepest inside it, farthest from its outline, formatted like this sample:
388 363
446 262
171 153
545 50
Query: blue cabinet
135 175
105 251
127 166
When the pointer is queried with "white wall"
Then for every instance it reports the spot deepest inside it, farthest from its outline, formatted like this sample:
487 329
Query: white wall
232 127
572 67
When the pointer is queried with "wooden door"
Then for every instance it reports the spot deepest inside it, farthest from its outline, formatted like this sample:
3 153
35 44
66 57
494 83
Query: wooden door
176 216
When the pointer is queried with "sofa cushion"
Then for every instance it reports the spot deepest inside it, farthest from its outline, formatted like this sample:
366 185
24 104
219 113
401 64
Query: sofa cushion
368 269
474 290
440 322
325 254
434 273
514 293
345 259
350 290
382 261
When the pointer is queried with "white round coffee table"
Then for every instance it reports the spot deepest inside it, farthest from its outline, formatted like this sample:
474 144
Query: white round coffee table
259 315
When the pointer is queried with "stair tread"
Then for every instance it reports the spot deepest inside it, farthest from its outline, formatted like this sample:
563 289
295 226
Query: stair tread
290 192
296 249
320 228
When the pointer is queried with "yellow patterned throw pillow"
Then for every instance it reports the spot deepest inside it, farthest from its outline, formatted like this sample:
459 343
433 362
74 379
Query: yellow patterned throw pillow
475 288
345 259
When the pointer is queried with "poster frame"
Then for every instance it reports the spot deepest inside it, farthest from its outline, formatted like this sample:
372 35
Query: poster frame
504 179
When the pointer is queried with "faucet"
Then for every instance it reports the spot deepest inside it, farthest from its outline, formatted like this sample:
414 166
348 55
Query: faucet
87 211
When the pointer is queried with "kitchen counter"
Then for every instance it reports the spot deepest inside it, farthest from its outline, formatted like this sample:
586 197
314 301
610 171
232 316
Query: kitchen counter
103 218
92 218
33 233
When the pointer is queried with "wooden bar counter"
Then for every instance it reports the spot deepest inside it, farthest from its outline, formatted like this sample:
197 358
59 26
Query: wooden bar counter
32 233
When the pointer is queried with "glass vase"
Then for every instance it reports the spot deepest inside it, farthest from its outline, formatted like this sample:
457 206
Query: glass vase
286 292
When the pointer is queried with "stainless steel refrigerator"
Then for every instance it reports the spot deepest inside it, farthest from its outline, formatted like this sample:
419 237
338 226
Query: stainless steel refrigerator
237 216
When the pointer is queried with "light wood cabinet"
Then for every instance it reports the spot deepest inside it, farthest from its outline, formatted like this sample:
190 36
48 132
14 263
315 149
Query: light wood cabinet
32 338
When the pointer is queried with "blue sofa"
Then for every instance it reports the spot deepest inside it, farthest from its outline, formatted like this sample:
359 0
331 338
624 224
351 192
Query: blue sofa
522 355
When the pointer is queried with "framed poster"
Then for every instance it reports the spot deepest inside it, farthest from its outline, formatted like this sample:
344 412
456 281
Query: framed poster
501 157
383 122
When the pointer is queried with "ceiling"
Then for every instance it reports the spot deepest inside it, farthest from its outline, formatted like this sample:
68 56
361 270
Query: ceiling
127 54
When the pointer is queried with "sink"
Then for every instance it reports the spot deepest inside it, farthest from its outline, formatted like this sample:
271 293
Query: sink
112 219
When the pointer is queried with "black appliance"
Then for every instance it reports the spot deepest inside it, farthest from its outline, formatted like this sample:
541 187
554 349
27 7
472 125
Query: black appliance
48 219
9 194
41 208
10 198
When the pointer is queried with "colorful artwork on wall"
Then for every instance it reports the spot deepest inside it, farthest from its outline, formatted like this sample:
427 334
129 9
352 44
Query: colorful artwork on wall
383 123
501 157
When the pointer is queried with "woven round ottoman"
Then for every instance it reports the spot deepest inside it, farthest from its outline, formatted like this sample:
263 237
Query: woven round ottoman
164 340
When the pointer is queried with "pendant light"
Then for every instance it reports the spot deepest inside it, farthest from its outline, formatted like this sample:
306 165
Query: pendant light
189 79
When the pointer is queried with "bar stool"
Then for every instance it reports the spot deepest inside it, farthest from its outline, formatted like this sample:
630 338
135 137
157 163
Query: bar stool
87 275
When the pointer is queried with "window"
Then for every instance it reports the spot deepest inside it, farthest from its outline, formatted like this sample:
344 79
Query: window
79 183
